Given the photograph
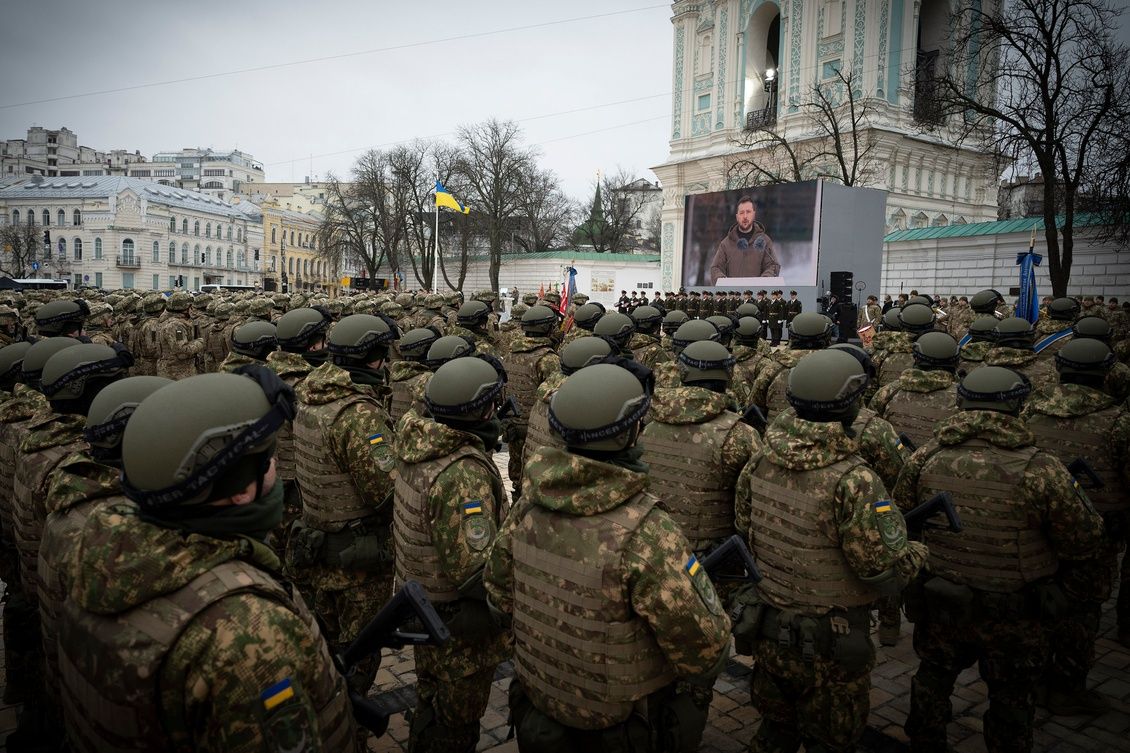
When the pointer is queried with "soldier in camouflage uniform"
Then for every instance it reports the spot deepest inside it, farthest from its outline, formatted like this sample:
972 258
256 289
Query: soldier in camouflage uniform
897 355
924 394
99 324
821 526
645 343
1079 420
810 333
584 320
751 354
62 318
238 664
1054 328
1118 378
9 325
987 592
217 336
178 340
695 445
146 343
617 328
592 573
532 359
408 376
1012 348
251 343
343 456
472 322
449 497
671 323
666 374
976 343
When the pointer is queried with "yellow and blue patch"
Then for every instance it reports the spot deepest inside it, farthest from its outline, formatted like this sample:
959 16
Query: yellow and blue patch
278 693
376 439
692 566
474 507
882 505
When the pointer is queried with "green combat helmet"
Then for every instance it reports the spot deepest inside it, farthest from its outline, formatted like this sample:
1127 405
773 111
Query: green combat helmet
1081 361
673 320
153 304
360 339
464 390
530 299
986 301
748 309
110 411
827 386
725 327
748 331
919 300
261 307
810 331
11 364
553 297
202 301
916 318
73 376
61 317
1092 328
580 299
203 439
582 352
647 319
416 342
599 408
936 351
706 364
692 331
36 358
255 339
1063 309
539 321
861 355
617 327
981 330
433 302
517 311
178 301
298 329
891 321
222 311
1014 332
473 313
446 349
993 388
586 316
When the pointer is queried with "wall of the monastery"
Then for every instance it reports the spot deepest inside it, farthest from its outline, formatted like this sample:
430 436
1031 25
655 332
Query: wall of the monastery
962 266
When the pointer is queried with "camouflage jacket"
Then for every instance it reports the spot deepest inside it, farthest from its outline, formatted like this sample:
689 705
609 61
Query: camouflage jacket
912 380
235 360
648 349
974 352
291 367
1041 372
777 364
218 675
483 343
879 443
1052 499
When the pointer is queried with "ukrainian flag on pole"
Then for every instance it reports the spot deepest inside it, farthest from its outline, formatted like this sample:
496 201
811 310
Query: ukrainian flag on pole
444 199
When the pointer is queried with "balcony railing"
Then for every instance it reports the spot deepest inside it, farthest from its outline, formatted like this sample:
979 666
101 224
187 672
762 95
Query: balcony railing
129 262
760 120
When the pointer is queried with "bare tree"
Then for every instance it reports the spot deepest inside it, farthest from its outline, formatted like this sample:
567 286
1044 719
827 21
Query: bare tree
492 164
547 215
616 214
831 140
20 244
346 232
1042 81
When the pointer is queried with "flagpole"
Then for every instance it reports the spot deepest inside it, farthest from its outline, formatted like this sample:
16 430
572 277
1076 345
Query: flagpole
435 255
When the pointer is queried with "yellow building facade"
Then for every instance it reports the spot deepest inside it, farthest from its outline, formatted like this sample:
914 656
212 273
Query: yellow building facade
291 262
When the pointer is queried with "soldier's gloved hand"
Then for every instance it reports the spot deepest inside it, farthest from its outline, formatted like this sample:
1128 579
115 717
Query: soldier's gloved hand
746 612
365 553
473 622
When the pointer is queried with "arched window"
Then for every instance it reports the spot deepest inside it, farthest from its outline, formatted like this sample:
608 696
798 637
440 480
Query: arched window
46 217
239 235
208 256
172 224
97 248
60 218
229 258
127 250
62 248
15 216
290 264
196 257
76 218
229 232
292 237
196 227
184 226
31 216
314 243
184 253
78 249
173 252
208 230
156 251
305 267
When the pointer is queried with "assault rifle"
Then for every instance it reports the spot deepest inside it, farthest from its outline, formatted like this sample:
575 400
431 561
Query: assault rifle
918 519
907 442
733 549
389 629
509 409
1084 474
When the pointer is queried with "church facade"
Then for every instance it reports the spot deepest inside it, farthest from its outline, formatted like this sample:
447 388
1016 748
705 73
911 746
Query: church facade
748 67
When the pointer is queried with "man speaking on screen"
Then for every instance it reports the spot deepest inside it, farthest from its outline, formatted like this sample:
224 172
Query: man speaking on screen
747 250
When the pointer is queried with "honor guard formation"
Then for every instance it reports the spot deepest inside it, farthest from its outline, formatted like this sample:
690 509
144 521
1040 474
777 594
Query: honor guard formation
216 511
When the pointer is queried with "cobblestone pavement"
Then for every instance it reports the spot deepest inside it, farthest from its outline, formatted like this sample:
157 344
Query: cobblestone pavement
733 721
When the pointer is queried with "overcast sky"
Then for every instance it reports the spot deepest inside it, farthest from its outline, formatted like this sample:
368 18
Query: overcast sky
334 109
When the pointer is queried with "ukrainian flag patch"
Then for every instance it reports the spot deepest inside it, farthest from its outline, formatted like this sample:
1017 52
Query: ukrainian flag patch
278 693
692 566
376 439
474 507
882 505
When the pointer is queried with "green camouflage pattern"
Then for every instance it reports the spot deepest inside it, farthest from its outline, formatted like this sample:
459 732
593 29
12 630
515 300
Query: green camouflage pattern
648 349
878 443
483 342
1040 372
212 678
911 380
973 353
235 360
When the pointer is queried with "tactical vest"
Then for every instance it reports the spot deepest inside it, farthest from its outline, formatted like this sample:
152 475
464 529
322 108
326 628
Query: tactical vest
123 716
795 543
687 476
416 556
916 413
1085 437
11 434
538 432
29 485
179 334
404 397
330 499
522 376
998 550
60 537
893 365
147 342
580 652
776 398
216 346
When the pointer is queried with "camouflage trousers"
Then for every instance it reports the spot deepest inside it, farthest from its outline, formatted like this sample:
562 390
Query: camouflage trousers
452 688
172 368
516 446
1087 585
344 602
817 703
1010 657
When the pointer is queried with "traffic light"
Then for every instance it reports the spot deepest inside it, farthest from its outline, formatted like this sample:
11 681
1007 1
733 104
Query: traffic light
46 237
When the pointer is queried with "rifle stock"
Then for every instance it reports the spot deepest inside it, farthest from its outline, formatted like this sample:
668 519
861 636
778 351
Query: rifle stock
728 550
754 416
907 442
1084 474
384 630
918 519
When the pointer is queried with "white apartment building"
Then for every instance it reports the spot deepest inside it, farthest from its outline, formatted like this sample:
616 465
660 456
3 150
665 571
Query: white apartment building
119 232
57 153
217 173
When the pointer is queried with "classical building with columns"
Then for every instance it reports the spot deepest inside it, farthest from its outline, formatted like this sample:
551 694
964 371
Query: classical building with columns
741 66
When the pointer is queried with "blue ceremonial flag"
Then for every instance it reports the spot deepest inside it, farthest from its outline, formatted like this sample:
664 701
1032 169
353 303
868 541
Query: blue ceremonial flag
1028 304
570 288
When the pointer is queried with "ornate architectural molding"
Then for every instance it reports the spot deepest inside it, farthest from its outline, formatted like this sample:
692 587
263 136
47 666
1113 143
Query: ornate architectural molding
667 256
723 50
884 27
677 96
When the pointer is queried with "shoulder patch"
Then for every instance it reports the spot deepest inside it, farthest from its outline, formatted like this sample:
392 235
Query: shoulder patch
892 529
375 439
478 529
277 694
702 585
286 724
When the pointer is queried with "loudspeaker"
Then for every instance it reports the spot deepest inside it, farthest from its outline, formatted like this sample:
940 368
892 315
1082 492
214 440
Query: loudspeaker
841 286
848 315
